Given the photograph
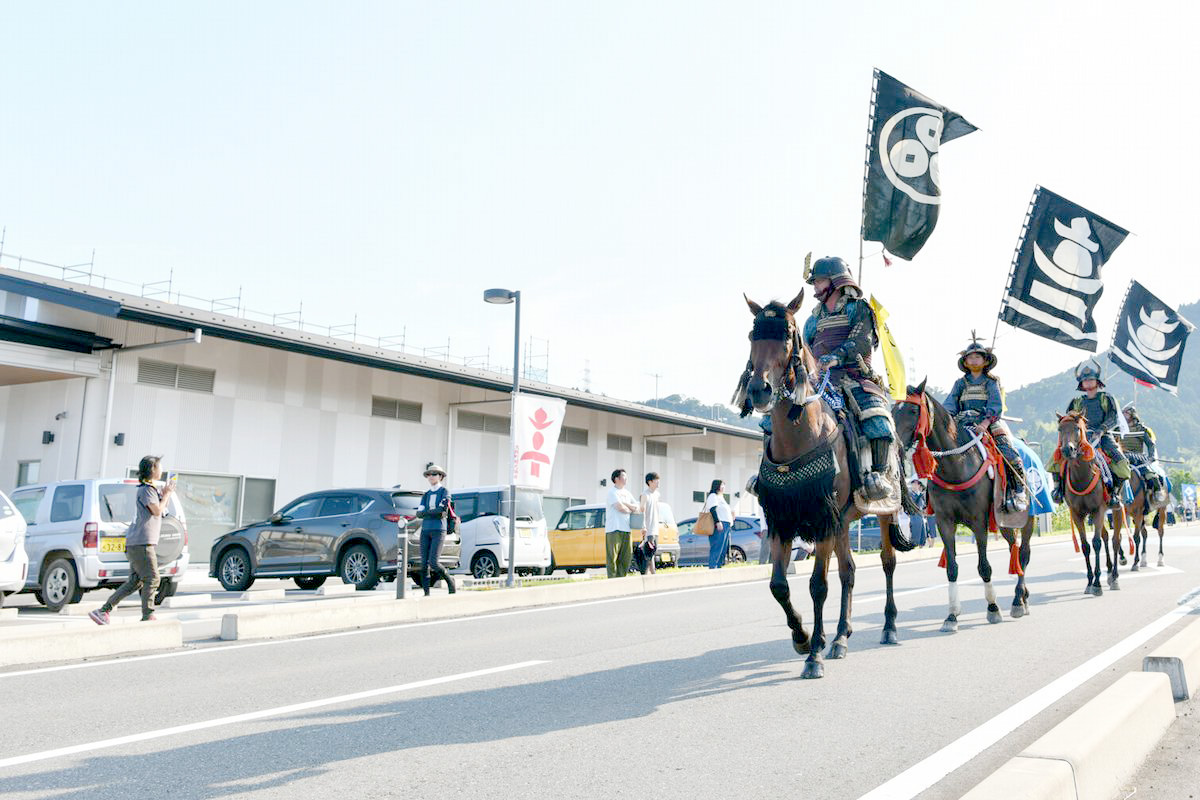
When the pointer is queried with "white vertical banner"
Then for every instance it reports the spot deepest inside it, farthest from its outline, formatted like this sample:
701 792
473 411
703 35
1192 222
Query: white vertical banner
537 421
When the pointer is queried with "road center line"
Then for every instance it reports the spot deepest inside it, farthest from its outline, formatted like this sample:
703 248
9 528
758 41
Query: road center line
262 714
929 771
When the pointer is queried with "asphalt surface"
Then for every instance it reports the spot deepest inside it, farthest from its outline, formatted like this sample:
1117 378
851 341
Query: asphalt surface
690 694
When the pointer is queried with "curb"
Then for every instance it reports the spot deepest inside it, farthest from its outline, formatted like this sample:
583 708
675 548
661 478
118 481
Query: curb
70 644
1179 658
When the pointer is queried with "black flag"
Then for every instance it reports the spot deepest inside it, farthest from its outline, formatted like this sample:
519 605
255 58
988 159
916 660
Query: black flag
901 193
1055 279
1149 339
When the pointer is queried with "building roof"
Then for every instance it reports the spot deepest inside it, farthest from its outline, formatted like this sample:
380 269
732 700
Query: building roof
151 311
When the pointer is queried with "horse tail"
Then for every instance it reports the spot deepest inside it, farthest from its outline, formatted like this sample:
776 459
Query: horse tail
900 542
1157 517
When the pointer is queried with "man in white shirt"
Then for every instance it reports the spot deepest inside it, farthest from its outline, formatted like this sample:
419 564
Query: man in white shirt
649 509
618 552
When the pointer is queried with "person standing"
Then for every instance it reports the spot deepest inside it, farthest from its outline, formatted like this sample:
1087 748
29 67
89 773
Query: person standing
718 542
433 512
650 521
618 551
141 540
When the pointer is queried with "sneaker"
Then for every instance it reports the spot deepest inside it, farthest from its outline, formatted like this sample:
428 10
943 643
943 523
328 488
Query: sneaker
150 618
99 617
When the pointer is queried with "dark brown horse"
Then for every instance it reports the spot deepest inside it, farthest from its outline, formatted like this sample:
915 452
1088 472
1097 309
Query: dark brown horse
961 492
1087 498
804 481
1136 513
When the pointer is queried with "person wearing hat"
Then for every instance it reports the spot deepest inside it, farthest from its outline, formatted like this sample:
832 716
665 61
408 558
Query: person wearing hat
433 510
976 401
1140 448
1099 410
841 334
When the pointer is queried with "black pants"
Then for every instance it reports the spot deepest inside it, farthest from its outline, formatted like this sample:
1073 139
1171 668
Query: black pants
431 550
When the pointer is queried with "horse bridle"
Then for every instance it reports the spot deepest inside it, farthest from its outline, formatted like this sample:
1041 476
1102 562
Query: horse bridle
768 325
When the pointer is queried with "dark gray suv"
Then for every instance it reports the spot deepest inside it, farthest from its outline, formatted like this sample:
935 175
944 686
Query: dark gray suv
352 533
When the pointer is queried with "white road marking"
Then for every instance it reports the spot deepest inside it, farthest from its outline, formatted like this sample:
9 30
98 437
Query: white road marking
255 715
926 773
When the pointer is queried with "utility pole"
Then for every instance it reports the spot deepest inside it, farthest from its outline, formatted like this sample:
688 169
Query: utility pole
656 376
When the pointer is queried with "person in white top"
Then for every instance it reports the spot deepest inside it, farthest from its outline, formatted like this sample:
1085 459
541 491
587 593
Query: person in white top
649 509
718 542
618 552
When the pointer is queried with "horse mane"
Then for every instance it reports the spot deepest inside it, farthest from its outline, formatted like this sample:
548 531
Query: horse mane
952 430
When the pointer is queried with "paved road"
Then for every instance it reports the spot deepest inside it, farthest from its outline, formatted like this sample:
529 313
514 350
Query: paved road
686 694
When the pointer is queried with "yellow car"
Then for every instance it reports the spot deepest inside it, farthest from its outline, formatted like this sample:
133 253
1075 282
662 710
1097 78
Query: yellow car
577 542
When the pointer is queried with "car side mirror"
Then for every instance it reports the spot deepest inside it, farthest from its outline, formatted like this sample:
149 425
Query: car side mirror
278 519
562 526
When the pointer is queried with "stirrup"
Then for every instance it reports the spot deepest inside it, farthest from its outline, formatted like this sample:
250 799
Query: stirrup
874 485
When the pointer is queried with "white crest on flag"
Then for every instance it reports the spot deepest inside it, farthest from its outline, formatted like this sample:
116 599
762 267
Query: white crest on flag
912 158
1070 267
537 422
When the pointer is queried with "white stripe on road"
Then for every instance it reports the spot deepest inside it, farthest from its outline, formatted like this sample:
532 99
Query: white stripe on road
254 715
926 773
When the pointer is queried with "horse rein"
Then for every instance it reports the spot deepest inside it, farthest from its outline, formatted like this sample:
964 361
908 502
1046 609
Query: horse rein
929 458
1087 454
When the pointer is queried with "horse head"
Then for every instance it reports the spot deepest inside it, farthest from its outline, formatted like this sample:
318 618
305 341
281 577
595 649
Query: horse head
779 362
1072 436
912 416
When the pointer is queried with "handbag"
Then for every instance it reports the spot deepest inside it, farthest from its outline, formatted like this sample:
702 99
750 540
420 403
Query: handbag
451 520
704 524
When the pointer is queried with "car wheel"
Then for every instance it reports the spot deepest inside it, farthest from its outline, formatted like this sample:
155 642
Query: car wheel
60 586
233 570
550 569
166 588
737 554
359 568
310 581
485 565
576 570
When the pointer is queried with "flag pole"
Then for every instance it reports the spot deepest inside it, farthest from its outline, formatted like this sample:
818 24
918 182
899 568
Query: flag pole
1012 268
862 224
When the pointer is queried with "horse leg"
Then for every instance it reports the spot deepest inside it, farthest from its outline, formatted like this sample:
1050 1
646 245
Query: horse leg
946 529
985 573
846 578
1024 554
1099 536
1018 609
1115 569
781 553
1160 523
888 556
1080 522
1137 523
818 587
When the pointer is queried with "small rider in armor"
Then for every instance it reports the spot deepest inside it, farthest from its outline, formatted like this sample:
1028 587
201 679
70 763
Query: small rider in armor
975 401
1099 410
841 335
1140 447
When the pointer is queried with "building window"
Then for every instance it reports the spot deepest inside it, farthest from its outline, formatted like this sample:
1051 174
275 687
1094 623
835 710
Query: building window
570 435
486 423
704 455
698 497
395 409
622 443
175 376
655 448
28 472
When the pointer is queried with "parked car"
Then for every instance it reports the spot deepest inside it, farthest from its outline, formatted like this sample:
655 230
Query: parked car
749 536
865 535
577 541
483 528
75 538
352 533
14 563
406 503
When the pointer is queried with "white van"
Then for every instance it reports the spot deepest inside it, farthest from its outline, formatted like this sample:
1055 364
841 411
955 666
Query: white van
483 527
14 564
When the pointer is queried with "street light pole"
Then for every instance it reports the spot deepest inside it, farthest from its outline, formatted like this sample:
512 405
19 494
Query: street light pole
504 296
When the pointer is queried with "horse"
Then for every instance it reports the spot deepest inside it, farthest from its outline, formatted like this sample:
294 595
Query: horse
961 492
804 480
1136 512
1087 497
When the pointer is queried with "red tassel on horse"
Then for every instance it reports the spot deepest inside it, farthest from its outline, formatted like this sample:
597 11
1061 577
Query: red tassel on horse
1014 561
942 560
923 461
1074 541
1132 547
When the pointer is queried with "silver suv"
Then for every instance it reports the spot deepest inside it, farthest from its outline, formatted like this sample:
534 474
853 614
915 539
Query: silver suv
75 538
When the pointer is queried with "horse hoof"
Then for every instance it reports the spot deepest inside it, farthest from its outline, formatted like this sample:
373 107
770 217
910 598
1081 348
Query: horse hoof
1122 559
1114 586
994 616
1160 561
950 626
889 637
1096 590
1134 568
813 669
801 647
1144 561
1017 611
837 650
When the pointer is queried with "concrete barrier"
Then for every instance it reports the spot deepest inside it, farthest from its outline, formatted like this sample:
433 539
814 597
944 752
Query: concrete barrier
1179 658
8 613
336 589
187 601
1027 779
262 594
75 643
1103 743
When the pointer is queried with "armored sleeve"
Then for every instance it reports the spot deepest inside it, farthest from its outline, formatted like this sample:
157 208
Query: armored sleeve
1151 448
994 407
810 330
1110 415
860 340
952 399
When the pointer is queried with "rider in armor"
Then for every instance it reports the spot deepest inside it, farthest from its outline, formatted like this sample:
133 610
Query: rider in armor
1140 447
975 401
841 335
1099 410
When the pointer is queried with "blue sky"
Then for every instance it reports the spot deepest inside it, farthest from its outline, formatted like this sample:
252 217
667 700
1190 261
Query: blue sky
631 167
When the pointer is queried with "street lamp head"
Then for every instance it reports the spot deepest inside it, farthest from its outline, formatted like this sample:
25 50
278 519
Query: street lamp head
498 296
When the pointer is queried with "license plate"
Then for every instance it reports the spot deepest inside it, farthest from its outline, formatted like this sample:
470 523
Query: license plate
525 533
112 544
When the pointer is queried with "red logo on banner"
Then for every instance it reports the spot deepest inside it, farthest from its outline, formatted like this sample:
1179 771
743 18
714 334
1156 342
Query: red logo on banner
540 420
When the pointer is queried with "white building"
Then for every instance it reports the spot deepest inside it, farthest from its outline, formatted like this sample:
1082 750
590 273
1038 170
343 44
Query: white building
254 415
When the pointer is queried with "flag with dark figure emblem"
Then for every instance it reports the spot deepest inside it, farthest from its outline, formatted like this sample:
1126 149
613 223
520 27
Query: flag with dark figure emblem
1055 279
1149 339
901 191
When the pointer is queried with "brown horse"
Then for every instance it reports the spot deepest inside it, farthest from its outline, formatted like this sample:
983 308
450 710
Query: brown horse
1087 497
804 483
961 492
1137 511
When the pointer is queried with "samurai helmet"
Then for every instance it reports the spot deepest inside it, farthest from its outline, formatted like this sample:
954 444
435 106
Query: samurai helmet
1088 369
1131 412
989 358
828 267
